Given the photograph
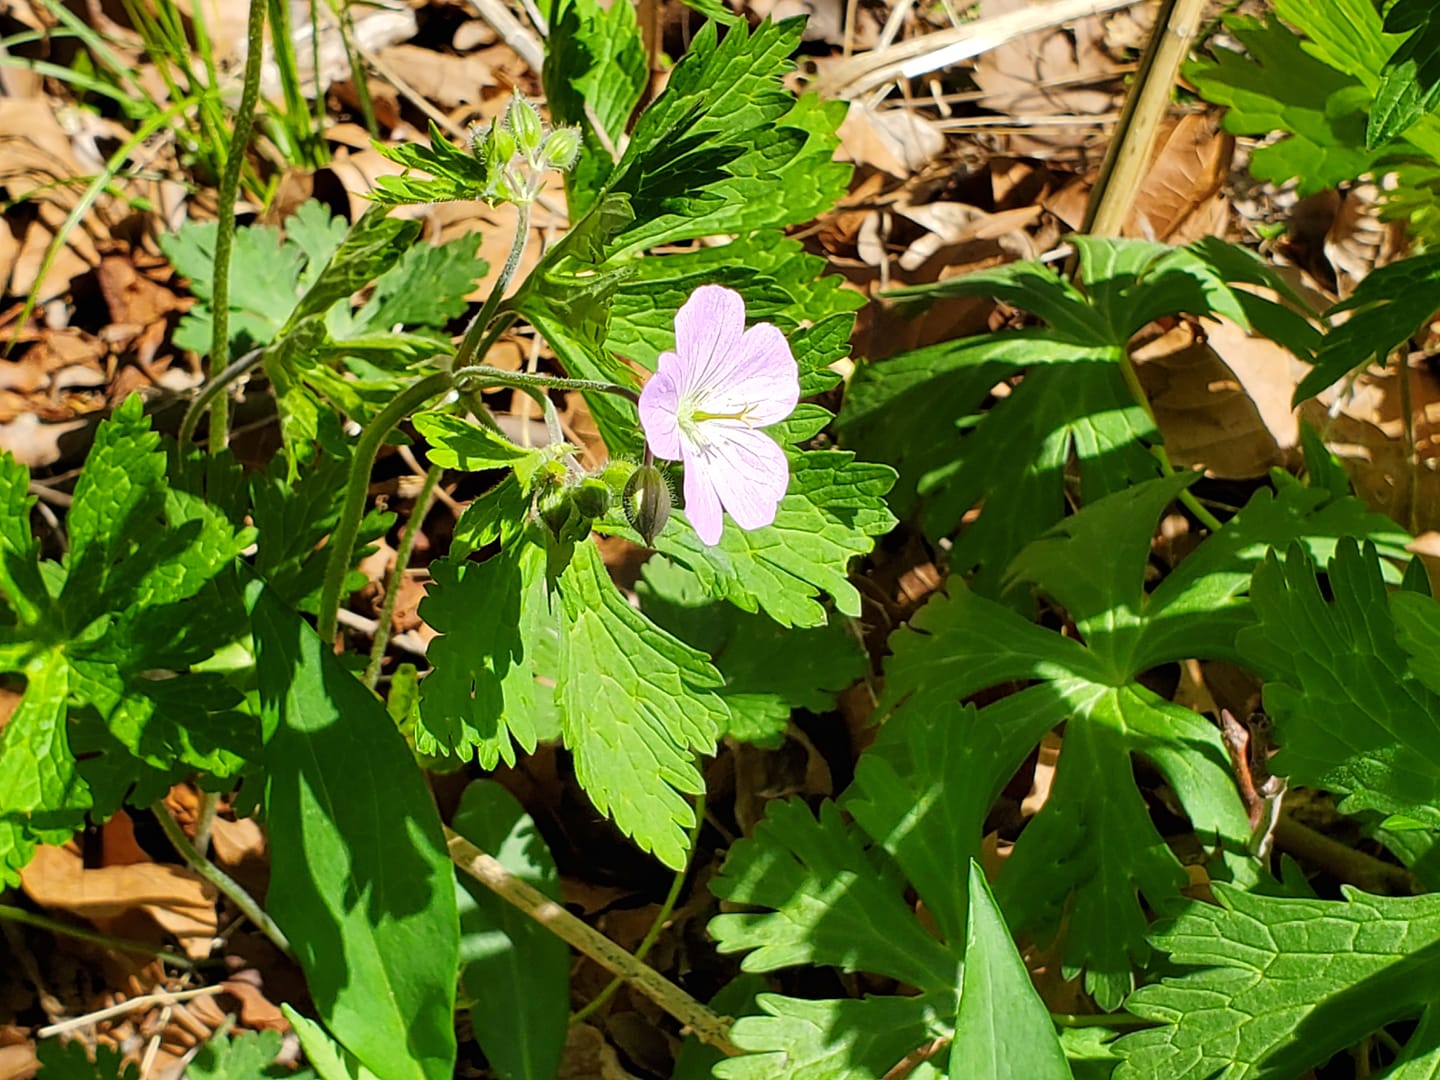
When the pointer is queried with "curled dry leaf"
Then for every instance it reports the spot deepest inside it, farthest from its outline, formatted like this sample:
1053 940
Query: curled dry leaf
898 141
18 1062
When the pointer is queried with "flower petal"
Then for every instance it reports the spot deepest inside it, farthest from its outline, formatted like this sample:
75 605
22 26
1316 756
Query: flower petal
659 405
702 501
763 386
708 328
740 466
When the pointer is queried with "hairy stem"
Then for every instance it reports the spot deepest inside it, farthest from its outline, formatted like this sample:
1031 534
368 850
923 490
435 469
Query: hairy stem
699 1020
527 381
397 575
475 336
225 217
217 877
216 385
357 487
661 918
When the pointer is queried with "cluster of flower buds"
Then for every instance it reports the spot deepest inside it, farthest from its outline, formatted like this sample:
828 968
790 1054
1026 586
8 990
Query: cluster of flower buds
519 152
570 500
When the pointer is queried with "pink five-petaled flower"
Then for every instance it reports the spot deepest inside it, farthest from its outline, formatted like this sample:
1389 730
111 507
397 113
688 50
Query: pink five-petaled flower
706 404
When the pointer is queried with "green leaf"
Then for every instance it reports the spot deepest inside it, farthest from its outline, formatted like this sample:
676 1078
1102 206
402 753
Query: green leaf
456 173
264 284
515 972
373 245
460 444
248 1056
829 902
1003 1029
1387 308
331 1060
482 696
595 71
636 706
1276 986
43 797
317 233
1359 660
21 587
708 155
768 671
377 933
1014 458
834 508
427 287
71 1061
830 1040
1281 86
961 645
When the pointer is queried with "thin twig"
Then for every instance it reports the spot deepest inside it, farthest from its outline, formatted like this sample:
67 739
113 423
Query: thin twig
79 933
144 1001
217 877
1129 155
512 31
696 1018
397 575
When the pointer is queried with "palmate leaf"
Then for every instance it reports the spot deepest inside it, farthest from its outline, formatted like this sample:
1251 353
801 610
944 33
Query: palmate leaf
908 410
1276 986
109 695
594 74
726 149
1094 837
635 704
768 671
1364 661
835 894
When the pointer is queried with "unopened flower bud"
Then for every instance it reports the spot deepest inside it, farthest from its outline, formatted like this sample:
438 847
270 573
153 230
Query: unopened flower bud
591 497
501 146
560 149
524 121
647 502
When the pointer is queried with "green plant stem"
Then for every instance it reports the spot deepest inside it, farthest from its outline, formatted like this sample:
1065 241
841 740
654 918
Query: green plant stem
225 217
1412 459
527 381
1187 498
397 575
357 487
79 933
1115 1021
217 877
218 383
701 1021
476 342
661 918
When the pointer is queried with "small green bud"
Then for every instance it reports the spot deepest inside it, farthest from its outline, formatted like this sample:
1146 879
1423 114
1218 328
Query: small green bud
591 497
501 146
647 502
560 149
524 121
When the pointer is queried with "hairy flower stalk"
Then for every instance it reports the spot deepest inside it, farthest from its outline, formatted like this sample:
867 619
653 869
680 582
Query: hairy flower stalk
708 403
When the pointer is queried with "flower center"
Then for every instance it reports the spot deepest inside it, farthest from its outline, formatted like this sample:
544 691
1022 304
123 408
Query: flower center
689 417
